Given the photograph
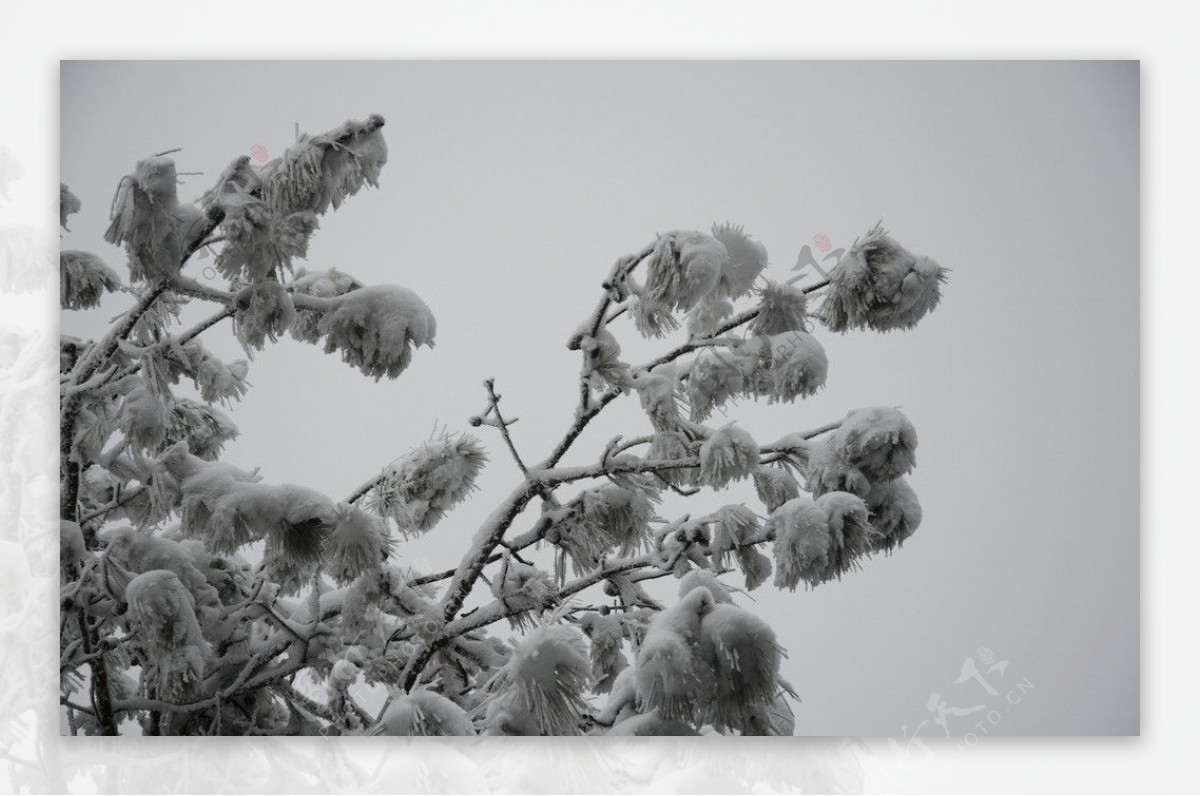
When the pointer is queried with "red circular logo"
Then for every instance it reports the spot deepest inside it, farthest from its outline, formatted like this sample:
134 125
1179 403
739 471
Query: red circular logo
822 242
259 152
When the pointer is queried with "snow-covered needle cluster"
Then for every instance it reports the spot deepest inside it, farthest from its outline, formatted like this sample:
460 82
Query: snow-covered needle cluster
195 591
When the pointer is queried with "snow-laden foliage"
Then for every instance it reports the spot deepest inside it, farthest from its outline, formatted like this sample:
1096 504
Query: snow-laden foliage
68 204
880 285
202 598
376 328
544 680
783 367
524 590
157 230
321 171
713 379
83 280
870 445
320 284
424 713
747 259
895 512
162 618
782 309
264 312
685 267
817 541
730 454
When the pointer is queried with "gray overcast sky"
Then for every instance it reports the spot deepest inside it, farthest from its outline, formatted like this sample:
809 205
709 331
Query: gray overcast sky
512 187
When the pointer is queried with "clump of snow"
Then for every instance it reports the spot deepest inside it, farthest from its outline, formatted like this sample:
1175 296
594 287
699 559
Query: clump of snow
747 259
602 365
870 445
357 545
785 366
880 285
418 490
83 280
320 284
204 428
818 541
606 635
155 228
423 713
264 311
782 309
745 656
144 418
671 677
684 267
68 204
546 677
775 486
162 618
377 327
895 512
732 526
524 590
672 446
730 454
712 379
321 171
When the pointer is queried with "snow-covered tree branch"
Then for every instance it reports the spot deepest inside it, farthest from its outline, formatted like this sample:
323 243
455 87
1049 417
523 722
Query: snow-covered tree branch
196 591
